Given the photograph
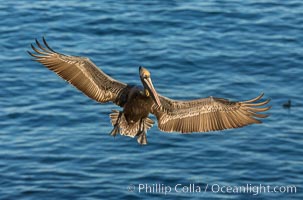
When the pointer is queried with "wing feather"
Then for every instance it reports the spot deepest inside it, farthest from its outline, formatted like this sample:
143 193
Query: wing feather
208 114
80 72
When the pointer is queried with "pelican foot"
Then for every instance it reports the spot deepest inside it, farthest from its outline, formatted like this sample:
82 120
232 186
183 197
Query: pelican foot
141 138
115 131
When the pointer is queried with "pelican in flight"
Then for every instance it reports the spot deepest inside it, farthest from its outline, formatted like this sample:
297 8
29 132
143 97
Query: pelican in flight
199 115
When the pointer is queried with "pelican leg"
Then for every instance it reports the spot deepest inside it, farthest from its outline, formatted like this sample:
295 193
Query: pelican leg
141 135
115 131
116 128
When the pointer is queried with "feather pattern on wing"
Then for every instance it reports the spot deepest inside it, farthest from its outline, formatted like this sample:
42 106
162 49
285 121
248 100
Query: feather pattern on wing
80 72
207 114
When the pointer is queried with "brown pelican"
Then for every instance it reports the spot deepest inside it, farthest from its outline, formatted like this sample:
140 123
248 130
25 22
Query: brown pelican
200 115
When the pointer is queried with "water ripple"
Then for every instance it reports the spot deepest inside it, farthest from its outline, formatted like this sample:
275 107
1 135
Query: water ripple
55 142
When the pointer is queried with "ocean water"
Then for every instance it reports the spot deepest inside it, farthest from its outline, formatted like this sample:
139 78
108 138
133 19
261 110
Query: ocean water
54 141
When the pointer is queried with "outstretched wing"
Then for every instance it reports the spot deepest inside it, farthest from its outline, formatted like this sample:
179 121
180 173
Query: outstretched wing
80 72
207 114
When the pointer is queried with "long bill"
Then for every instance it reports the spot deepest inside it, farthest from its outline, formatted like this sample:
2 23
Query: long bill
152 91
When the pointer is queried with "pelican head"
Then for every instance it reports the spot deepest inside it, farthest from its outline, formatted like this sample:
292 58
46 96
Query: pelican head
148 85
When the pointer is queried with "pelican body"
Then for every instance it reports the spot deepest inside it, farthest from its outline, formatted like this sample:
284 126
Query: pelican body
199 115
137 103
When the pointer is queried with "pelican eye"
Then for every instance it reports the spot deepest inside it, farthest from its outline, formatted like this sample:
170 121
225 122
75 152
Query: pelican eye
146 92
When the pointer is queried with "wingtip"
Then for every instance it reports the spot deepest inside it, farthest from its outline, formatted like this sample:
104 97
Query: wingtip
47 46
30 53
261 95
43 39
255 99
32 46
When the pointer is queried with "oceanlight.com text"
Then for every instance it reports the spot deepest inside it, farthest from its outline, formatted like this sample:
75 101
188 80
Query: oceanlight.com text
253 189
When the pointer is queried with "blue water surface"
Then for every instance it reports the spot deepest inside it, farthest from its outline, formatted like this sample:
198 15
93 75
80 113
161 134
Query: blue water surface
54 141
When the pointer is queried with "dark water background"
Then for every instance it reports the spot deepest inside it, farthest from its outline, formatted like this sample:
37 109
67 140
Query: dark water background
54 141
